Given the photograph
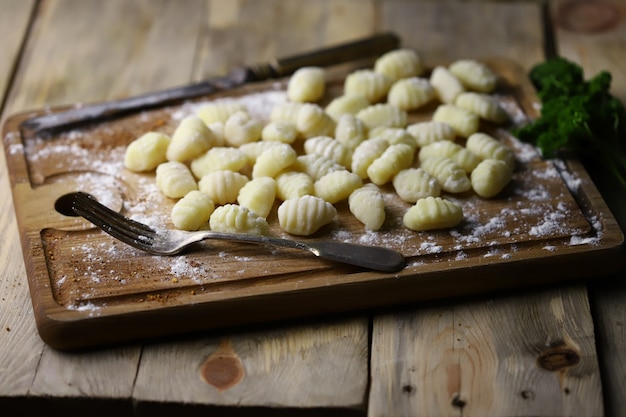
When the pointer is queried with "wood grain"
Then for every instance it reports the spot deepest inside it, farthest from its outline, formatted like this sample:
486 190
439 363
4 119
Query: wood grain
521 356
597 43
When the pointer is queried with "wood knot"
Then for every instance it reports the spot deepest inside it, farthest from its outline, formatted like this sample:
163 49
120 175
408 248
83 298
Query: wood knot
584 16
458 402
557 358
223 369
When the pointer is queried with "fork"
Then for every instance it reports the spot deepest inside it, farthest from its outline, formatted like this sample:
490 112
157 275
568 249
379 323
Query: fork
172 242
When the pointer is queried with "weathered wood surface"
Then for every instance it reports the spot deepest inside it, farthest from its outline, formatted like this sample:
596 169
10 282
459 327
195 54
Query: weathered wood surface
594 35
80 51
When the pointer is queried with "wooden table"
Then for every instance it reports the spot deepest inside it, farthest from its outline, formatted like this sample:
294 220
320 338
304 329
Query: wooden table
474 356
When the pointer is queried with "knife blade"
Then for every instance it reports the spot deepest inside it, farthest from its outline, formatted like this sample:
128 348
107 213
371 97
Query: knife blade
281 67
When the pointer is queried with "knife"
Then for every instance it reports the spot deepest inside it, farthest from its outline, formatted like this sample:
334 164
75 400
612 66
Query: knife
359 49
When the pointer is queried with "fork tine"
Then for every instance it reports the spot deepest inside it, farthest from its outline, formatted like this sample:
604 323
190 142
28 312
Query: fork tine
127 230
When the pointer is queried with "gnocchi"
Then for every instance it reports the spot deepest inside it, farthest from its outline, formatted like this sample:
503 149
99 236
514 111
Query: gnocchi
488 147
306 84
432 213
337 185
146 152
490 177
305 215
174 179
366 153
368 206
217 159
411 93
330 148
274 160
222 186
192 211
448 173
462 121
293 184
459 154
242 128
474 75
312 121
350 131
411 184
346 104
280 131
190 139
446 85
485 106
399 63
233 218
372 85
393 160
316 165
428 132
258 195
382 115
219 111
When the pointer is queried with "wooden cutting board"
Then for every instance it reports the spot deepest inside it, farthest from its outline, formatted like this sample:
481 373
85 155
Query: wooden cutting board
549 225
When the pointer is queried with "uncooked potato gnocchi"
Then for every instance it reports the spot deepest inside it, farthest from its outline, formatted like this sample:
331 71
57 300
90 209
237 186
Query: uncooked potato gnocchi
462 121
474 75
222 186
193 211
219 111
305 215
485 106
411 184
372 85
446 85
490 177
174 179
330 148
316 165
258 195
399 63
280 131
190 139
233 218
432 213
448 173
431 131
488 147
293 184
306 84
459 154
337 185
366 153
242 128
312 121
393 160
146 152
218 159
411 93
382 115
274 160
350 131
368 206
346 104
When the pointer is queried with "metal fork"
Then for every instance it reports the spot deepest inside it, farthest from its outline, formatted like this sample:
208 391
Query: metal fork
172 242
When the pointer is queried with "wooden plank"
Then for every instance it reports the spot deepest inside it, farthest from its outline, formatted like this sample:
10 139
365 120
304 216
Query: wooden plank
74 55
17 327
514 356
594 35
487 346
319 367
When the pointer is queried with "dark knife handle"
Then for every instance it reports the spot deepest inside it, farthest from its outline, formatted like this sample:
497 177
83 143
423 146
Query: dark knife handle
360 49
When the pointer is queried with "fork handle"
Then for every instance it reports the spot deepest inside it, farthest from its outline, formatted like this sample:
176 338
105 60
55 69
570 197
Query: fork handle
371 257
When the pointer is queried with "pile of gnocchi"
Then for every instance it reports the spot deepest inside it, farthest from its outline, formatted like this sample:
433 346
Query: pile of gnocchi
226 168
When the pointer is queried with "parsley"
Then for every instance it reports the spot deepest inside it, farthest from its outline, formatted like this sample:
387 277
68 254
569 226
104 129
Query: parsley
577 115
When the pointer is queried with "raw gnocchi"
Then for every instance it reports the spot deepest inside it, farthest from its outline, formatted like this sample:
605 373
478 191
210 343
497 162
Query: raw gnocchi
233 218
346 104
474 75
366 153
411 93
190 139
393 160
462 121
258 195
219 111
174 179
312 121
280 131
411 184
448 173
218 159
368 206
274 160
431 131
242 128
146 152
399 63
446 85
350 131
490 177
222 186
306 84
382 115
432 213
305 215
330 148
293 184
372 85
193 211
488 147
485 106
337 185
459 154
316 165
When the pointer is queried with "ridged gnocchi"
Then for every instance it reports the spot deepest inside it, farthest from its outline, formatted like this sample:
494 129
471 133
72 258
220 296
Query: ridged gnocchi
462 121
146 152
258 195
399 63
488 147
474 75
193 211
382 115
316 165
280 131
372 85
346 104
286 112
306 84
330 148
483 105
350 131
411 184
174 179
219 111
459 154
432 213
190 139
222 186
233 218
312 121
448 173
274 160
366 153
218 159
242 128
305 215
393 160
411 93
446 85
431 131
490 177
293 184
367 204
337 185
